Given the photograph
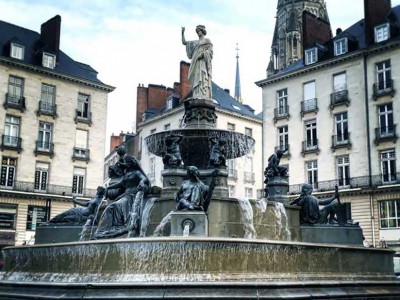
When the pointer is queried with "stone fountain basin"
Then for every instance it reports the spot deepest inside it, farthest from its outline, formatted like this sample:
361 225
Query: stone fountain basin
196 142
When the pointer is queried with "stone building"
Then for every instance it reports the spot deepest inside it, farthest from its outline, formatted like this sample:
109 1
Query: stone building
52 120
160 108
335 112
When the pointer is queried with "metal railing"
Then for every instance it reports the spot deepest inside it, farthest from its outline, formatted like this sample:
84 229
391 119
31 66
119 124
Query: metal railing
44 147
385 133
281 112
339 141
352 183
232 174
22 186
383 88
310 146
14 101
11 142
310 105
83 119
81 154
47 108
340 97
249 177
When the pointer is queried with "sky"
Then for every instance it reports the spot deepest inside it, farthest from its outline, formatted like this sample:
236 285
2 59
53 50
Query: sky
132 42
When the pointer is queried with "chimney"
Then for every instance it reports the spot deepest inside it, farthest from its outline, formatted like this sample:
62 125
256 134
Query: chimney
185 85
338 31
227 91
315 30
50 34
141 103
375 12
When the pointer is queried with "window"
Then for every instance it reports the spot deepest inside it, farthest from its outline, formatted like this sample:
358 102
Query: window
152 174
167 126
236 107
312 173
47 98
78 181
388 166
248 131
282 102
342 131
248 193
231 127
48 60
283 137
232 173
36 216
343 167
311 134
232 191
389 214
15 90
45 136
169 103
17 51
386 120
382 33
81 148
339 82
83 110
310 100
311 56
340 46
7 171
11 131
8 216
383 75
41 176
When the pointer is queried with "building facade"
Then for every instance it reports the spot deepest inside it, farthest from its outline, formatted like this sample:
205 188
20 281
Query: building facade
335 113
52 120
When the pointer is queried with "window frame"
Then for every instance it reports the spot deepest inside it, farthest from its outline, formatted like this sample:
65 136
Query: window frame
312 173
387 216
384 35
343 168
388 163
343 46
14 46
311 56
47 62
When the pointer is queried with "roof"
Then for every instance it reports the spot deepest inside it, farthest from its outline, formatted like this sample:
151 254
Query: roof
33 49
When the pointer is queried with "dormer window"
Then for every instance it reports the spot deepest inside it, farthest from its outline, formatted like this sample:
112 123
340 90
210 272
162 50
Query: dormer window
382 33
169 103
49 60
340 46
17 51
236 107
311 56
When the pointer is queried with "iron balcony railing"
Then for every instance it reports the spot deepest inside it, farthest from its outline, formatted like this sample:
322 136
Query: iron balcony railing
23 186
310 105
249 177
285 148
84 118
81 154
281 112
310 146
232 174
386 133
340 141
14 101
383 88
11 142
352 183
46 108
43 147
339 98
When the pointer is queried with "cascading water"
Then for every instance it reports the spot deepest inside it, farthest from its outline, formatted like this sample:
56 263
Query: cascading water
186 230
146 216
159 231
246 212
282 221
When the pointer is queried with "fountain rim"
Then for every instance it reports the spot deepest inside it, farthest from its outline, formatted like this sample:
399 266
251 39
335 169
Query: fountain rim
199 239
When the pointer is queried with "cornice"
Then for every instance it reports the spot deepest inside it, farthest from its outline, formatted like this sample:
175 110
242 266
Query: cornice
48 72
37 196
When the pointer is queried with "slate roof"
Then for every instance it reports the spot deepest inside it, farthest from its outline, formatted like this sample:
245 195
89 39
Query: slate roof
33 49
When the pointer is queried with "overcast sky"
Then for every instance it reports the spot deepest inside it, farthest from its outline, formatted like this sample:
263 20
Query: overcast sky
139 41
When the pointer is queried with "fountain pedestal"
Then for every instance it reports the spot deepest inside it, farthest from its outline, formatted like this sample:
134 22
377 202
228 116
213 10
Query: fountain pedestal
277 189
195 221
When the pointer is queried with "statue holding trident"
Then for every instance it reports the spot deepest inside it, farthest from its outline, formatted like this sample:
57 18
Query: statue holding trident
200 71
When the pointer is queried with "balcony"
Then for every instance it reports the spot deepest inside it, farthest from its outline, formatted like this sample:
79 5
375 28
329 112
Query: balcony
383 88
83 117
310 105
232 174
384 134
13 101
281 113
11 143
352 183
285 148
340 98
81 154
249 177
310 147
48 109
21 186
341 141
45 148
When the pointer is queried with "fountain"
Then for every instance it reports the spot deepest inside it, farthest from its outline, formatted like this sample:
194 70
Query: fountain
199 250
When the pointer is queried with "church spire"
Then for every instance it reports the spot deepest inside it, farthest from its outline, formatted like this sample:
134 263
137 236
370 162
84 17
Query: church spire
238 95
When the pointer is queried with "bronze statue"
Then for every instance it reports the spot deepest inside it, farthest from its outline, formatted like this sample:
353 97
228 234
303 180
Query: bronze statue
79 215
310 212
217 152
273 169
113 174
193 193
172 156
